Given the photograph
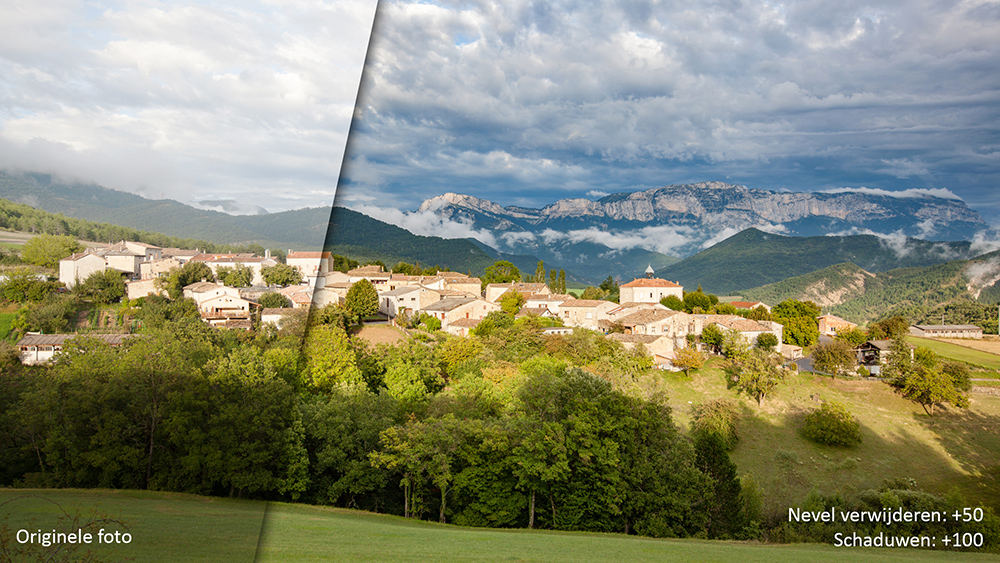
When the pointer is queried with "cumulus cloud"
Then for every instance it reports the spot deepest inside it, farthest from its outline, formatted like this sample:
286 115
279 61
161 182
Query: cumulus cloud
427 223
985 241
597 194
246 101
665 239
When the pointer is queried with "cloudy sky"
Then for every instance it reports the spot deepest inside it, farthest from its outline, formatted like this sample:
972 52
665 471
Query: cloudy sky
527 102
245 100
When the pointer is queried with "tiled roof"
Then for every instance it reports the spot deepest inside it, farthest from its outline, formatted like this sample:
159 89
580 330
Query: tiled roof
448 304
373 269
301 255
643 338
470 323
646 316
650 282
202 287
740 324
59 339
582 303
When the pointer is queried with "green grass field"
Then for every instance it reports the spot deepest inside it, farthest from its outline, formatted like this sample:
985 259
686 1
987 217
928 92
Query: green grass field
956 449
179 528
958 353
165 527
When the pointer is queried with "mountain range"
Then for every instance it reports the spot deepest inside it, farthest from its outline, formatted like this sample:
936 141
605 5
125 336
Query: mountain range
625 232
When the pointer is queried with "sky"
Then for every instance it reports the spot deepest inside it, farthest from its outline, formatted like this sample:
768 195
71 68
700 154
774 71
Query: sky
524 103
247 100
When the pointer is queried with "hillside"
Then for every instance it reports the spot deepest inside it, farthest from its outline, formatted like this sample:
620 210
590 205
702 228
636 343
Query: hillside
860 296
301 228
364 238
754 258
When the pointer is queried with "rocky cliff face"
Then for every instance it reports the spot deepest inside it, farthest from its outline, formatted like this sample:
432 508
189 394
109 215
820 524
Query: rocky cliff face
713 206
680 220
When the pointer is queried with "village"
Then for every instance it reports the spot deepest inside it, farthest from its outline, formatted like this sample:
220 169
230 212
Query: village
458 302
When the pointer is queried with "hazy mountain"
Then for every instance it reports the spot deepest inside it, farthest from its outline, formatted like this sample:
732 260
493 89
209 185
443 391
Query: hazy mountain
753 258
364 238
621 233
302 228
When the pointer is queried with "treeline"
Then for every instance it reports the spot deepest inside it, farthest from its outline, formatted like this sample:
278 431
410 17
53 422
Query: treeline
21 217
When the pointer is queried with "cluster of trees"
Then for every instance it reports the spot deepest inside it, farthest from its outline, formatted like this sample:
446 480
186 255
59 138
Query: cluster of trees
506 428
926 380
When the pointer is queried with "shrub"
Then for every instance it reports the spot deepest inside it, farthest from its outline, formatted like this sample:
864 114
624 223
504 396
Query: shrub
832 424
719 418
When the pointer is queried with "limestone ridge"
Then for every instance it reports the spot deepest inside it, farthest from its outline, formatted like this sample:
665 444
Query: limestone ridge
714 206
680 220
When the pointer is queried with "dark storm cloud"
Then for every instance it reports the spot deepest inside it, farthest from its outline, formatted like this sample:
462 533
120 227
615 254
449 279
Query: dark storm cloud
526 104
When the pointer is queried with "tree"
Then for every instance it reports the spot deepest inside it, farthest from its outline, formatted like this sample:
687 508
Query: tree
48 250
539 273
854 336
104 286
899 364
832 424
273 300
239 275
673 303
178 278
329 358
835 357
929 387
362 299
801 327
889 329
511 302
767 341
688 359
562 281
23 285
717 417
724 504
281 274
755 375
959 374
501 271
592 292
712 335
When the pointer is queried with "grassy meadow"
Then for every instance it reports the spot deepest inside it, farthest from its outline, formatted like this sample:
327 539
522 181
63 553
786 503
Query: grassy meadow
954 450
165 527
959 353
179 528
